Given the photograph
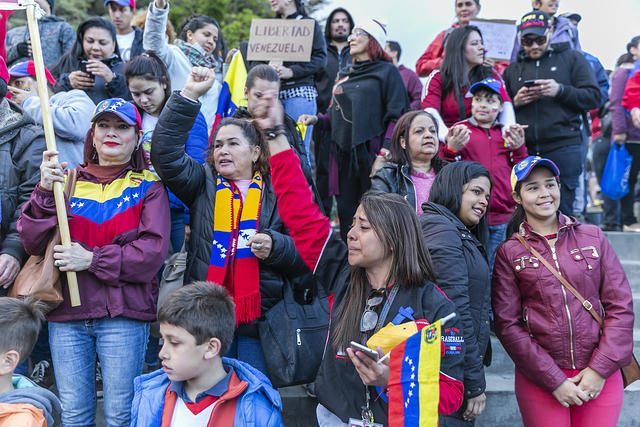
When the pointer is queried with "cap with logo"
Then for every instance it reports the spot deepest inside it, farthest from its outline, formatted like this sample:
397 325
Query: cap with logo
535 22
489 83
121 108
28 69
523 169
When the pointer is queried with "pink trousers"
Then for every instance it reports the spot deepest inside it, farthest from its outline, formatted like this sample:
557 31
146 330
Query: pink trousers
540 409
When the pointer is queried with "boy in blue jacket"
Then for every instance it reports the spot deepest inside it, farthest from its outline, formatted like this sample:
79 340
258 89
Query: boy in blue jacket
197 386
22 402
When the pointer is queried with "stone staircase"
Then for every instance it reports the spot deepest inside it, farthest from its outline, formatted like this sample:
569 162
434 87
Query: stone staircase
502 408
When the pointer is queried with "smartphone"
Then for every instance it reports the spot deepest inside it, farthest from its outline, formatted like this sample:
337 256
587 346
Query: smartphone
366 350
83 67
530 83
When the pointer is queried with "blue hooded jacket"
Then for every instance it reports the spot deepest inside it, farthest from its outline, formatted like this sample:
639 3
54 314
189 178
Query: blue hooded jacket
26 391
259 405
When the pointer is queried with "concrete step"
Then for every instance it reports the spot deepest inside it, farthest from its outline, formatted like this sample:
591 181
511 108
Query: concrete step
626 245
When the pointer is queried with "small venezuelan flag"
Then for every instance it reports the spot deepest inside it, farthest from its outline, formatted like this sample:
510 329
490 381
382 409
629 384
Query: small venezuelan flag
414 374
232 93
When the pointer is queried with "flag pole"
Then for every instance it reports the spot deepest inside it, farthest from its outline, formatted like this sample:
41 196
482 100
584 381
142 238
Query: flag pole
49 135
444 320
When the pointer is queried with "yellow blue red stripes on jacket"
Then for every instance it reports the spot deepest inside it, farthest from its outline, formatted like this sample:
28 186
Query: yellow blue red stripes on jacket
101 213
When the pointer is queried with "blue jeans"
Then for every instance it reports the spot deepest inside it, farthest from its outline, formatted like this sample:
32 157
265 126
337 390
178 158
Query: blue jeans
569 161
248 350
177 229
294 108
497 235
119 344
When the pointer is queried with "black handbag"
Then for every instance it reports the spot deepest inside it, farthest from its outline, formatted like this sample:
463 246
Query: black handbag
293 338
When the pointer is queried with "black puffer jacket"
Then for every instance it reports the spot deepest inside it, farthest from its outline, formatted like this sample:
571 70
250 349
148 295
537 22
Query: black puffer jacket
395 178
554 122
195 185
463 274
21 146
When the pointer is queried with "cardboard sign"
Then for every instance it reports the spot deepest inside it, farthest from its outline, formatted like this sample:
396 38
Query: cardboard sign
499 36
287 40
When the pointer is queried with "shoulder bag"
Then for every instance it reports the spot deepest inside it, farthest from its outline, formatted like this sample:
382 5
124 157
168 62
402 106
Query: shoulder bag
39 277
631 372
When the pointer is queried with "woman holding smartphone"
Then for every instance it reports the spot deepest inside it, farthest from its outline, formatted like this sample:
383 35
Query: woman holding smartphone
567 365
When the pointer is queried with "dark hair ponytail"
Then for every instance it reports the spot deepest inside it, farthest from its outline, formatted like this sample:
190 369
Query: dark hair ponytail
149 66
517 218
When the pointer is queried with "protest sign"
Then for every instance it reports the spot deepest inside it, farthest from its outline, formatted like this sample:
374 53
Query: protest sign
288 40
498 35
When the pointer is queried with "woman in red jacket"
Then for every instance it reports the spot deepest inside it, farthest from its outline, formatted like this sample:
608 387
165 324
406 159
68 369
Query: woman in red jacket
567 366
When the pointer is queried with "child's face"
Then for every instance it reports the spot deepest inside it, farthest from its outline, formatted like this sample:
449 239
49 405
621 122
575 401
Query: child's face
182 359
485 107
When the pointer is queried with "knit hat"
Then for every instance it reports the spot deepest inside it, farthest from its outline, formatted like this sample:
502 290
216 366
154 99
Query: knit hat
4 78
376 29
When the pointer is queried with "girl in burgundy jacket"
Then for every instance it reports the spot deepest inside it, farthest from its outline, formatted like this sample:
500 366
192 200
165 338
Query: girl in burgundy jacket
567 367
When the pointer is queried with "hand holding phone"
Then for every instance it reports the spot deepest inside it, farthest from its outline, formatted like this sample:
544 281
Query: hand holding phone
530 83
372 354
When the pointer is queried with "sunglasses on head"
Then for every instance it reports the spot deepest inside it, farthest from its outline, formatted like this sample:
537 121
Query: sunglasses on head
529 41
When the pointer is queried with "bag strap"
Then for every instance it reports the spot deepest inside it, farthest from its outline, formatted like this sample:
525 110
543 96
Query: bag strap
462 109
586 304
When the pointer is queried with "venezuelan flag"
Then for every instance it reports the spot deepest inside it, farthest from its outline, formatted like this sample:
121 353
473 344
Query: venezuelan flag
232 93
414 373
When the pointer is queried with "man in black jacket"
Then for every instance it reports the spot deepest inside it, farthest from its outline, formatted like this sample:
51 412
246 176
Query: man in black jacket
337 29
551 87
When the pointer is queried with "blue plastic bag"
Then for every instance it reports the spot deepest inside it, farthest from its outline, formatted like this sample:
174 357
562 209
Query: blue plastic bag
615 178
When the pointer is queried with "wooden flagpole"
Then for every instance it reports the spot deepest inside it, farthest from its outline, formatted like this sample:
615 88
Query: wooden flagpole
49 135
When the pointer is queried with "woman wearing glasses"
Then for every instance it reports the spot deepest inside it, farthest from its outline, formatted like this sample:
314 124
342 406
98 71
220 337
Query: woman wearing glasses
367 99
383 274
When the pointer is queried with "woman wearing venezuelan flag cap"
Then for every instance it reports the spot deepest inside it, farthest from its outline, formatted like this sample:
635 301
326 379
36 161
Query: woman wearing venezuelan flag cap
568 353
119 225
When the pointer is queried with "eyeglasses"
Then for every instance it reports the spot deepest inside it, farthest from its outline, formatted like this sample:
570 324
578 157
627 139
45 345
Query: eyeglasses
356 34
369 318
529 41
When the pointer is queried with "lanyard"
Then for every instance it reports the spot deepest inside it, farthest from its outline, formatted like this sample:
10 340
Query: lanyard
387 307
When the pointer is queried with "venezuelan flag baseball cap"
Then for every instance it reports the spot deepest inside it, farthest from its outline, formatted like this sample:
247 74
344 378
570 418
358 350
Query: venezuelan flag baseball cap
489 83
535 22
121 108
523 169
28 69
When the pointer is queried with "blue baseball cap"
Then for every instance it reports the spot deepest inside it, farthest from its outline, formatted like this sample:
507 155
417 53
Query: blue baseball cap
489 83
523 168
121 108
123 3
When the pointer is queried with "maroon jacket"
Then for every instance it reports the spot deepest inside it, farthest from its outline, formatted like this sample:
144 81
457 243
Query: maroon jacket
123 277
486 146
413 85
543 327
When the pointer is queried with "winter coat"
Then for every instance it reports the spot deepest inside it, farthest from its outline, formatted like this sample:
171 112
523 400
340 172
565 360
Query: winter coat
256 402
21 146
631 97
29 405
543 327
178 65
620 120
71 113
56 38
486 146
431 59
462 272
563 32
338 386
413 85
195 185
554 122
336 61
101 90
129 245
395 178
136 46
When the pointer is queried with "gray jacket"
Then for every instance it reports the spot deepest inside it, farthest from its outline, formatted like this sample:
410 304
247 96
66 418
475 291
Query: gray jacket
21 147
56 36
71 113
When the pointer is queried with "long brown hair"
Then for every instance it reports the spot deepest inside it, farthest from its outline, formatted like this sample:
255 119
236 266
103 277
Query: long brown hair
253 135
396 225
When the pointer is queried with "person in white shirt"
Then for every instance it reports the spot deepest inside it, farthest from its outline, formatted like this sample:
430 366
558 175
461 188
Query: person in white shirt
129 37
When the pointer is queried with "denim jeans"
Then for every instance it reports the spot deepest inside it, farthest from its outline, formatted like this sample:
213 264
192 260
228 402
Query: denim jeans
294 108
497 235
248 350
177 229
119 344
569 161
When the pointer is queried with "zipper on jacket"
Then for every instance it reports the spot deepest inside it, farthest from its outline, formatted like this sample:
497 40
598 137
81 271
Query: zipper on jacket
566 306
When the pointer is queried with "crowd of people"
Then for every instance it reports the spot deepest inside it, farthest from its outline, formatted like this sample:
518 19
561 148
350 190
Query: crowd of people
344 179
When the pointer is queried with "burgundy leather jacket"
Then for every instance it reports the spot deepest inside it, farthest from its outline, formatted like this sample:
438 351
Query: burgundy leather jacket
543 327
